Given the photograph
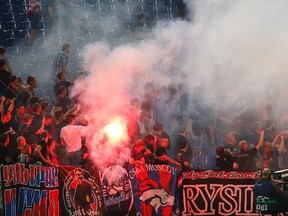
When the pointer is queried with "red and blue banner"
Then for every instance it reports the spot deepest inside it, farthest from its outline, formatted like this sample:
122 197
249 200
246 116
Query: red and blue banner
29 190
214 192
154 189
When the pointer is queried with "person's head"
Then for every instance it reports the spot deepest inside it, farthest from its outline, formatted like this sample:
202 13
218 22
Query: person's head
243 145
135 102
66 48
230 139
31 81
61 91
44 106
158 127
44 134
266 174
256 126
20 109
27 119
146 106
164 142
5 139
49 119
19 80
141 17
220 151
36 108
139 145
12 79
21 141
183 130
33 100
61 75
149 139
184 145
81 75
58 115
70 119
143 117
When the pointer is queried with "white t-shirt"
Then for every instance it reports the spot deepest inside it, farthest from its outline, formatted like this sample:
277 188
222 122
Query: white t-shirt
72 134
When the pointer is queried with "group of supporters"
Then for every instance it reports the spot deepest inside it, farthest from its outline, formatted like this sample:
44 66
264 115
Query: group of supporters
168 124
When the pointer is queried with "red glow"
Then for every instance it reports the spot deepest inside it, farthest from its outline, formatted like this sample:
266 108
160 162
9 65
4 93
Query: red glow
115 132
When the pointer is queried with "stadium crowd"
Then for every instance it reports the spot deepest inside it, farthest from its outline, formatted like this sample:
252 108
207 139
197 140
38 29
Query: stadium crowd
33 130
194 134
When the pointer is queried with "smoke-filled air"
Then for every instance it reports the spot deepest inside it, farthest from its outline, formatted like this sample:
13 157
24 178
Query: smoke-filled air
234 50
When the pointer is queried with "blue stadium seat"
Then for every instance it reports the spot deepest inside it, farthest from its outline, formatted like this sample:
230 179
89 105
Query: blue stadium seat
21 34
10 25
2 2
19 8
20 1
6 17
6 38
23 25
6 8
19 18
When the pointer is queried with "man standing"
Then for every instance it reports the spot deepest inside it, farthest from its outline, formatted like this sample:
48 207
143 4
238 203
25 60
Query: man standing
61 61
4 57
161 153
34 14
4 76
244 159
268 196
71 137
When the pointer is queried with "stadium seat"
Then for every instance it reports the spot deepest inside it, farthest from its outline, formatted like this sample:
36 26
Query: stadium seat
21 34
19 8
6 17
10 25
21 17
20 1
6 8
3 2
23 25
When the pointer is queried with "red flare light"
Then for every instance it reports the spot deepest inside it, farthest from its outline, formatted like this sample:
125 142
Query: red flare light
114 132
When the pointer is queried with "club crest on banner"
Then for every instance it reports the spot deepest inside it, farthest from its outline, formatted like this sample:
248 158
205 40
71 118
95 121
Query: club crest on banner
81 194
116 188
151 194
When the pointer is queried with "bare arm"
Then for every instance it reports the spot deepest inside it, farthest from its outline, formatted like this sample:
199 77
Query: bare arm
39 131
11 106
282 148
39 154
170 160
261 141
140 162
187 164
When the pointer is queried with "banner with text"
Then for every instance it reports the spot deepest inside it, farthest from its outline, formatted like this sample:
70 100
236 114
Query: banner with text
211 192
29 190
154 189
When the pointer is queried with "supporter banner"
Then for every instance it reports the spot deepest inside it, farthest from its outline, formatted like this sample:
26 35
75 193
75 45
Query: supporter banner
213 192
80 191
154 189
30 190
116 190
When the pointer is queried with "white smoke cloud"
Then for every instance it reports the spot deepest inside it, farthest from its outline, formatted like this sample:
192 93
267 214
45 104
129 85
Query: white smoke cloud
236 49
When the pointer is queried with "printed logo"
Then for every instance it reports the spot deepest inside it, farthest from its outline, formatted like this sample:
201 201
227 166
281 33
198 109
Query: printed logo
81 194
116 188
151 194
